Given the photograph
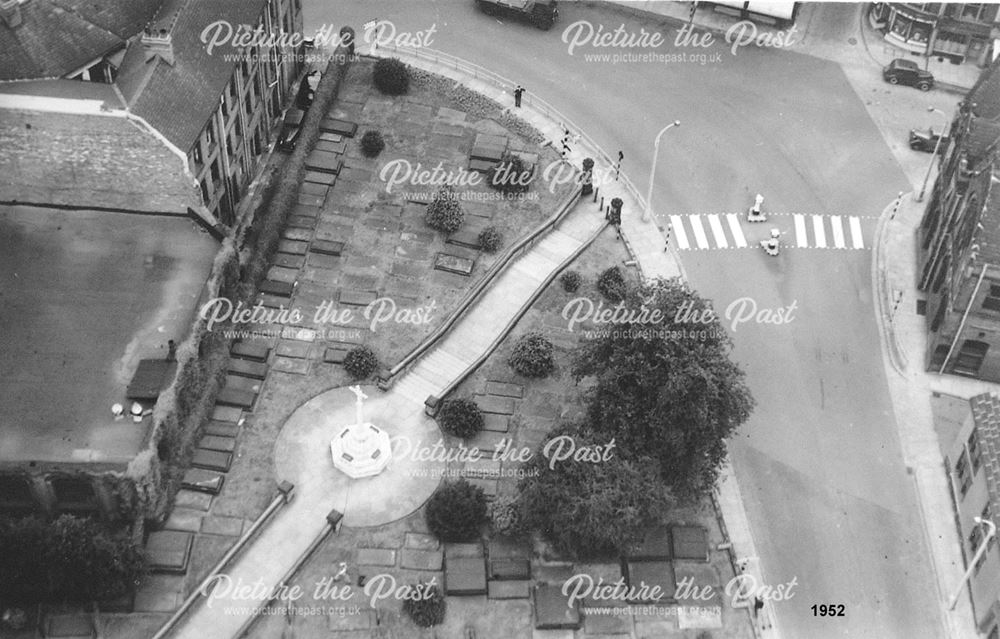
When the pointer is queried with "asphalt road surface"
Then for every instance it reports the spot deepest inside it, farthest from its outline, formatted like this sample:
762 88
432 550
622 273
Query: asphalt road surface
830 502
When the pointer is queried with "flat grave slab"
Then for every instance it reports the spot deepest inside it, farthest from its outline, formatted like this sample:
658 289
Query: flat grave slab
301 221
330 137
211 460
486 139
504 389
495 404
376 557
290 365
601 622
481 166
324 162
221 429
491 154
510 569
226 526
459 550
274 287
352 625
233 397
217 442
690 542
293 349
439 128
300 210
169 550
313 189
194 499
184 519
496 423
327 247
485 468
69 626
552 611
311 200
292 247
465 576
453 264
417 559
466 238
237 382
338 126
319 177
288 261
508 589
655 545
331 147
205 482
151 376
282 274
649 574
421 541
336 354
699 617
227 413
247 368
357 298
297 234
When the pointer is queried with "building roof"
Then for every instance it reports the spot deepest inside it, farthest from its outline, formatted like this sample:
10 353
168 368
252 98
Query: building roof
57 37
90 160
986 415
985 93
179 99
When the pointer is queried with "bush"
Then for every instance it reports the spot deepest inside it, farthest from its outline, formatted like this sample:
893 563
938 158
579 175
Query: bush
456 511
360 362
372 143
505 516
429 610
461 417
532 356
570 281
611 284
445 213
391 76
490 239
510 174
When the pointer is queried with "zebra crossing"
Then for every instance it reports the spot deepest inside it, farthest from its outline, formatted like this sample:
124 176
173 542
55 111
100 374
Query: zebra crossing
726 230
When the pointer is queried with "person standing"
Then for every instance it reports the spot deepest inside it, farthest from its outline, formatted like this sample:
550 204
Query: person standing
518 92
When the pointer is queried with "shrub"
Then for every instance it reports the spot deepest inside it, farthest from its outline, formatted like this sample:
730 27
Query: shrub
372 143
461 417
428 610
360 362
445 213
490 239
456 511
505 516
532 356
570 281
391 76
611 284
510 174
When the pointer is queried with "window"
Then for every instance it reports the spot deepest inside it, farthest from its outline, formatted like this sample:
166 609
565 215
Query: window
215 171
971 11
196 154
962 474
970 357
210 133
204 191
992 301
975 451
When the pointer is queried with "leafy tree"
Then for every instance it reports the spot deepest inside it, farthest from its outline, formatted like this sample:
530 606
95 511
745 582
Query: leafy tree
674 398
591 509
23 544
461 417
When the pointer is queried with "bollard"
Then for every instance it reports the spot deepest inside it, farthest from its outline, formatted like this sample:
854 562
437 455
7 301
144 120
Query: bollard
595 193
602 203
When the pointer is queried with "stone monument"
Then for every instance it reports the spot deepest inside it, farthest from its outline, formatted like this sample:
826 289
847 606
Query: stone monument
361 449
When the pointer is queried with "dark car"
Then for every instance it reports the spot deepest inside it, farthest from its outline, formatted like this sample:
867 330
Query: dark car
541 13
927 141
902 71
307 90
290 129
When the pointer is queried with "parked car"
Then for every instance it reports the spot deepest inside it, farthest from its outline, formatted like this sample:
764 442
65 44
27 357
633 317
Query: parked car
927 141
307 90
541 13
290 129
908 72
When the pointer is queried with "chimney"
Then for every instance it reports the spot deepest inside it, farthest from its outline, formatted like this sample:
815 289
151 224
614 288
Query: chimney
10 13
157 43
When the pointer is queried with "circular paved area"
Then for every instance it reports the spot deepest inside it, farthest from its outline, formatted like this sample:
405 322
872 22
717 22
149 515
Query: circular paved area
302 456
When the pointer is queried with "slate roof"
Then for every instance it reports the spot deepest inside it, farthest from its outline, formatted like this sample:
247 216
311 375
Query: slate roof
56 37
178 100
986 414
985 94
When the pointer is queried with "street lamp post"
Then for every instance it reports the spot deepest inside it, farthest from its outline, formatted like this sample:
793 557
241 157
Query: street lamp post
937 145
975 559
652 170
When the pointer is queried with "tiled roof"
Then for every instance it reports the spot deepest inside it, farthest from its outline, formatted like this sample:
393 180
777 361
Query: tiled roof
986 414
90 161
69 89
178 100
56 37
985 94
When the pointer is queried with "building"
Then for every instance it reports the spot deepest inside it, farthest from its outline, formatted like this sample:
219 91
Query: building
216 109
970 441
967 31
959 241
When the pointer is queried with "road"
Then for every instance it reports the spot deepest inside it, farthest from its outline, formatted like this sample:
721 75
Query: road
819 463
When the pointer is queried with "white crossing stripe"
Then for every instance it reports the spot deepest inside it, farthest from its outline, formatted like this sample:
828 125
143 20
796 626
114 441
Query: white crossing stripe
801 239
682 238
819 231
838 231
716 226
734 227
856 238
699 232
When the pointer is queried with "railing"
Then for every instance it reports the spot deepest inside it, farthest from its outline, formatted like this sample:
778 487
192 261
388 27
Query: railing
482 73
285 492
387 377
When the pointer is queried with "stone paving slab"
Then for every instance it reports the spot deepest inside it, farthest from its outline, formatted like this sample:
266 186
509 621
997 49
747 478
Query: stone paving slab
302 211
508 589
312 188
327 247
335 354
689 542
465 576
254 351
510 569
233 397
281 289
341 624
293 247
357 298
330 137
331 147
485 468
238 382
216 442
311 200
454 115
504 389
496 423
319 177
273 301
288 261
451 263
218 525
338 126
551 609
159 593
297 234
291 365
421 541
652 573
376 557
455 551
607 624
184 519
205 481
466 238
301 221
168 550
247 368
495 404
324 162
211 460
222 429
293 349
195 500
416 559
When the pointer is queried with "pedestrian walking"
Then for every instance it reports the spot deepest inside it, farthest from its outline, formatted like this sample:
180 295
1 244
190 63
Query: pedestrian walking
518 92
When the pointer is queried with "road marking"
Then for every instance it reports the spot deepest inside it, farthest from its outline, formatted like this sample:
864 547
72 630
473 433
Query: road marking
716 226
856 237
819 232
801 238
838 231
699 232
734 227
678 224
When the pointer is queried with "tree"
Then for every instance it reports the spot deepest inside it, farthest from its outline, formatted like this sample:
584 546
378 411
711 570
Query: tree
511 174
660 392
444 212
591 509
461 417
532 355
456 511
